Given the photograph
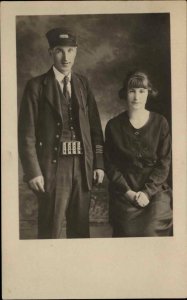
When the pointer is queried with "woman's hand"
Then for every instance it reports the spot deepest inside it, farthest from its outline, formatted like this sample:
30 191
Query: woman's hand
138 199
130 195
141 199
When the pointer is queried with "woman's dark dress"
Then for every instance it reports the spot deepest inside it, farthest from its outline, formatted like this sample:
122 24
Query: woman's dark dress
139 160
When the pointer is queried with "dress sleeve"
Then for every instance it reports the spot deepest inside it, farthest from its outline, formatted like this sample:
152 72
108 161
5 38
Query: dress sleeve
161 170
111 169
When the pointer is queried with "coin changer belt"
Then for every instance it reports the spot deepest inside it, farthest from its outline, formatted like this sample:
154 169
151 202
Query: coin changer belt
71 148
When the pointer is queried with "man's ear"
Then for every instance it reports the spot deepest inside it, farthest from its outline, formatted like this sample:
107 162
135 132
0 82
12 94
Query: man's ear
75 53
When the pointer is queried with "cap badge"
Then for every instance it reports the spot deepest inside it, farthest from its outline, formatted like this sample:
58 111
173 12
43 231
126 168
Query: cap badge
64 36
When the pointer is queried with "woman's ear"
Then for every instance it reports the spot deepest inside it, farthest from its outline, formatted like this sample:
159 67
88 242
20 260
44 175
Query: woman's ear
154 92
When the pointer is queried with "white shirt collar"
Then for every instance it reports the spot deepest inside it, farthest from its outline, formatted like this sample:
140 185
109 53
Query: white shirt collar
60 76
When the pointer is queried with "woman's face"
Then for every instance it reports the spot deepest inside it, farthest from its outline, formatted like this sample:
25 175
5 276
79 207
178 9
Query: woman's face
137 98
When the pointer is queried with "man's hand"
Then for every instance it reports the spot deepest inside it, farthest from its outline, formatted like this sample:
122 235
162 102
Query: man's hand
98 176
141 199
37 184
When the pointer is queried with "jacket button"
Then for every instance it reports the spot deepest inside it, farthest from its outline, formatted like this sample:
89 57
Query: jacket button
57 136
136 133
58 124
54 161
55 148
40 144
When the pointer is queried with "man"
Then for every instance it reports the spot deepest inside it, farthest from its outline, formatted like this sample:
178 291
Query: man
61 142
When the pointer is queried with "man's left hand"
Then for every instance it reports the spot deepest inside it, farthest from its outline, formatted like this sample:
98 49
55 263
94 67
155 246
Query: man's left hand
98 176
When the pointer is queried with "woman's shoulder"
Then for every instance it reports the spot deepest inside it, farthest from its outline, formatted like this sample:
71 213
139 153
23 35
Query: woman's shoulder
116 120
158 117
159 122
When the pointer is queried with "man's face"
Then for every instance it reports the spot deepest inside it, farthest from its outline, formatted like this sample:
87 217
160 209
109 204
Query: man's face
63 58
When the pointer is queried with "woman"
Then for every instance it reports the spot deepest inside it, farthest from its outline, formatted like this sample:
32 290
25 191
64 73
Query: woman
137 163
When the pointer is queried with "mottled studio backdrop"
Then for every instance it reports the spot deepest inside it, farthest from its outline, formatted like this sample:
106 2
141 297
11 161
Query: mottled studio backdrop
109 46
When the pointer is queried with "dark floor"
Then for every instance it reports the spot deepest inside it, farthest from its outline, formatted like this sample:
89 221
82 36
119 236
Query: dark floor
28 212
28 230
100 231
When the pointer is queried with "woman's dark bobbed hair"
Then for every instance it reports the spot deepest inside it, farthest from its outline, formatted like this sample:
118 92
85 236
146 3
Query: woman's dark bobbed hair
137 79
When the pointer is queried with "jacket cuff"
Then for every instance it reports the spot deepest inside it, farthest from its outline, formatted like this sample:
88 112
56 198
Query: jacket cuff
99 162
146 193
31 175
123 185
98 157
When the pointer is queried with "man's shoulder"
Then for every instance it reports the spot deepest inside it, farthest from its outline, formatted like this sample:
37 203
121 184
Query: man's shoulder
37 80
81 78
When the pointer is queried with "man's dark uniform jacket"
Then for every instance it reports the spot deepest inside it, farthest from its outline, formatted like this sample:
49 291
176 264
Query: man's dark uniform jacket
41 124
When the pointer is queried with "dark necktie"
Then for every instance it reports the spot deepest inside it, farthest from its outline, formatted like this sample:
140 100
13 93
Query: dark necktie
65 89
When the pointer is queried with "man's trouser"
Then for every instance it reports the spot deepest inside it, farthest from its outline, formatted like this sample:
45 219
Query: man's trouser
66 212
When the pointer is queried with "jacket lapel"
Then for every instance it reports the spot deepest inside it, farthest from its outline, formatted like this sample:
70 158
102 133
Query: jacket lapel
78 91
51 91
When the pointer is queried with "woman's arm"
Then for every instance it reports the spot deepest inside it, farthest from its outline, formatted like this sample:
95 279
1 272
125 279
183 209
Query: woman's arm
161 170
112 171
